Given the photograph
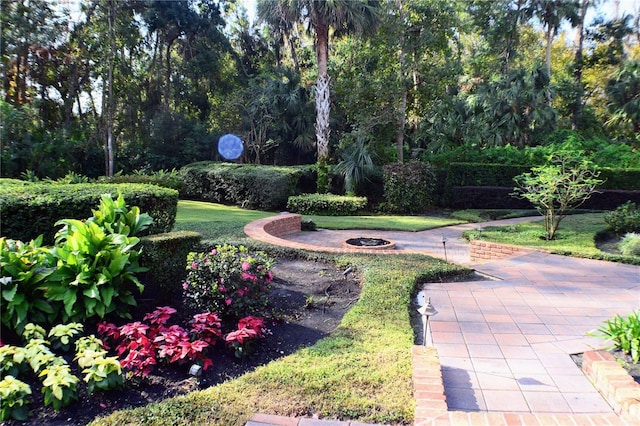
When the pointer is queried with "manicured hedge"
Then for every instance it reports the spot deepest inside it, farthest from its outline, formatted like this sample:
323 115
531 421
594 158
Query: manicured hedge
326 204
245 185
486 176
166 257
29 210
498 197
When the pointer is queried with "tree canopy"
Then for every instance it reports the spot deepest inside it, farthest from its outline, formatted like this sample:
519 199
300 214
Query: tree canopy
134 85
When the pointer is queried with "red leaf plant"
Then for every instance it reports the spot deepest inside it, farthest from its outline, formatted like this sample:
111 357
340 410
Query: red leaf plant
139 346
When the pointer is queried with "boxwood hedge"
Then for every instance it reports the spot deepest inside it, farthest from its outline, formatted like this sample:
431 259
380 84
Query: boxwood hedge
28 210
246 185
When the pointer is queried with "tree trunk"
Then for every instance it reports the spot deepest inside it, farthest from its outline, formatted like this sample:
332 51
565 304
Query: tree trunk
576 117
323 104
402 75
549 36
109 141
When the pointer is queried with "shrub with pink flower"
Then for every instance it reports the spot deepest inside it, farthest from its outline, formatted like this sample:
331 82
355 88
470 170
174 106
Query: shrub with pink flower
228 280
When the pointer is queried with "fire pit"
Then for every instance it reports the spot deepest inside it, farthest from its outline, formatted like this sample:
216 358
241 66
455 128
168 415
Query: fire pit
368 243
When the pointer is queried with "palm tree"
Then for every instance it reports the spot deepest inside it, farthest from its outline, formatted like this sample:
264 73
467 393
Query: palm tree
623 91
344 17
551 13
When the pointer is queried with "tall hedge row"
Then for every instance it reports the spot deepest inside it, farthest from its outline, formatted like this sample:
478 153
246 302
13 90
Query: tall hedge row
28 210
246 185
476 185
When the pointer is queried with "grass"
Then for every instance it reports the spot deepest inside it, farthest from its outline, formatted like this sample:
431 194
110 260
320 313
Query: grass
362 371
216 223
576 236
396 223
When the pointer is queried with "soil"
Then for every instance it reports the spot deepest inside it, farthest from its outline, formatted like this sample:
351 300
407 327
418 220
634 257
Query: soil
308 300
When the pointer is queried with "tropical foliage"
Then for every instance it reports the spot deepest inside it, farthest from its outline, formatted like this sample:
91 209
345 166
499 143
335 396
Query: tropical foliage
118 86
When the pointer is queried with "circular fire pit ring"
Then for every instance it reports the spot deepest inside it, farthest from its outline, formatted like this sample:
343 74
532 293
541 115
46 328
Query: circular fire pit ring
368 243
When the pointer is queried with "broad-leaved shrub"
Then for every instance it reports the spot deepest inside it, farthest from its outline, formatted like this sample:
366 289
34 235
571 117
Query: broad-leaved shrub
408 187
625 218
228 280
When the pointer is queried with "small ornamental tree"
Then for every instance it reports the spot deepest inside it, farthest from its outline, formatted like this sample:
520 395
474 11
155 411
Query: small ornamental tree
566 182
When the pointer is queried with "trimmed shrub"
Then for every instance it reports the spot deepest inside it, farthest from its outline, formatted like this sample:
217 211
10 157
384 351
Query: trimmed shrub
246 185
630 245
326 204
499 197
32 210
165 255
168 180
625 218
408 188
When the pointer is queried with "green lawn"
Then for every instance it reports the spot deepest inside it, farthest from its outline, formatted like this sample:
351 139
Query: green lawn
396 223
220 223
576 236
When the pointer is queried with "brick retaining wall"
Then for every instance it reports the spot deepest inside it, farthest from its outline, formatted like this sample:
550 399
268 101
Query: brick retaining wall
284 224
483 251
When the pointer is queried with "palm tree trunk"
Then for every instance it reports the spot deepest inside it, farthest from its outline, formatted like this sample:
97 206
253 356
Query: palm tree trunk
323 104
549 36
578 107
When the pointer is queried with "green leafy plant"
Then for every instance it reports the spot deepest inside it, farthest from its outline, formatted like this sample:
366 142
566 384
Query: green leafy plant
623 332
24 268
96 264
13 399
63 335
59 386
12 360
116 218
625 218
630 245
228 280
565 183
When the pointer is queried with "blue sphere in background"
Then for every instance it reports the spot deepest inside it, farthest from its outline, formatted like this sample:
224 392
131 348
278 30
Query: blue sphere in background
230 147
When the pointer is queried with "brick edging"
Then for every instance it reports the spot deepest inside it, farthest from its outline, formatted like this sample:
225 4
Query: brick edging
428 388
613 382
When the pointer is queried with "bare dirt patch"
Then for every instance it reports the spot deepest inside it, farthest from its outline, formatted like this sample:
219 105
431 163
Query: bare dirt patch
307 302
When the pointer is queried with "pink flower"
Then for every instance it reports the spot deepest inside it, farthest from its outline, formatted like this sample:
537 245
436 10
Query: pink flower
185 285
214 252
269 277
194 265
246 266
222 289
227 301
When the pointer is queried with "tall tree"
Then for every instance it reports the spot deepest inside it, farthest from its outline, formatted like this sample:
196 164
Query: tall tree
578 62
551 14
344 17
